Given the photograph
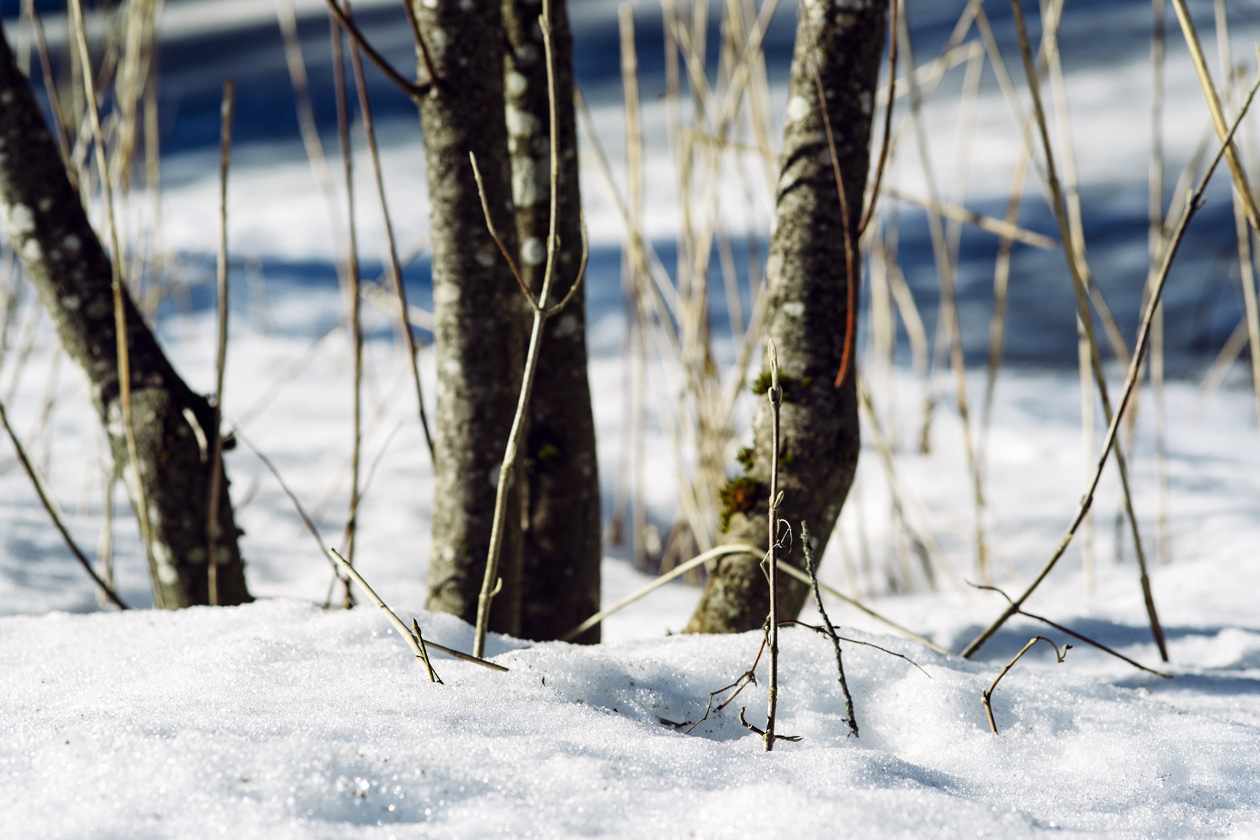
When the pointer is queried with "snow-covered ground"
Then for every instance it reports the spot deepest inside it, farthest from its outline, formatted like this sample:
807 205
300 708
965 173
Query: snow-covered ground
284 720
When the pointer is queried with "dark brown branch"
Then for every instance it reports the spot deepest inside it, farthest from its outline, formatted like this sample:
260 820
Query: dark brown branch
886 143
415 90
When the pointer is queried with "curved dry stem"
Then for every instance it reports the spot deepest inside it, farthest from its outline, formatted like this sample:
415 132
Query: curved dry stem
1135 364
678 571
987 696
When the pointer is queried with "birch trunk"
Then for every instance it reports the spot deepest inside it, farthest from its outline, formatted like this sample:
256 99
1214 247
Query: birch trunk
73 277
841 41
479 332
560 585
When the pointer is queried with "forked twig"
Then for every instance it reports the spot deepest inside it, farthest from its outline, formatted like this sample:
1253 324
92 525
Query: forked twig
745 679
987 696
766 733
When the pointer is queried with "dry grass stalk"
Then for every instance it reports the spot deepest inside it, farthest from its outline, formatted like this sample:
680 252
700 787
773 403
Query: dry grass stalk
1212 97
662 579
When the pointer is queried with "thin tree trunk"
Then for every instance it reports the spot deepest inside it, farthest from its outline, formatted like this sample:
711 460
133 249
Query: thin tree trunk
479 333
840 43
560 585
65 262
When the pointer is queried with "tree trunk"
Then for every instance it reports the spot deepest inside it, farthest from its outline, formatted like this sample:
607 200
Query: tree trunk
840 41
560 585
71 273
479 333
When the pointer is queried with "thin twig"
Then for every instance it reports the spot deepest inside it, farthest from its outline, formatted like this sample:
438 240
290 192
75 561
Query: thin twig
494 234
769 736
822 631
850 246
49 506
775 395
356 298
987 696
395 266
271 467
227 112
412 640
796 573
423 46
812 569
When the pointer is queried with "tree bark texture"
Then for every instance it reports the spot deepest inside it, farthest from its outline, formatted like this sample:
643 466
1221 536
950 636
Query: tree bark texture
479 332
840 42
560 585
64 260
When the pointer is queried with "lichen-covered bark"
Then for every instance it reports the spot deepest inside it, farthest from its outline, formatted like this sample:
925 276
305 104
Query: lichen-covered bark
842 41
479 338
64 260
560 584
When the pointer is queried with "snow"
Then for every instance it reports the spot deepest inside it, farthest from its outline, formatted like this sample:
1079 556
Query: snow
282 719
